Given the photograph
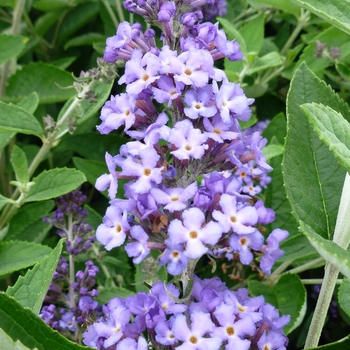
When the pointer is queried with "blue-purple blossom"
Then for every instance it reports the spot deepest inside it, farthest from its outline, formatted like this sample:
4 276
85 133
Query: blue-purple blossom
193 337
138 250
272 251
194 232
112 232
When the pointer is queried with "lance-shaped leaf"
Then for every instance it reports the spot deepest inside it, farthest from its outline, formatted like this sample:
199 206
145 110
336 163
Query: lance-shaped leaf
14 118
16 255
341 344
312 176
30 103
7 343
11 46
343 296
4 201
31 289
20 164
332 129
333 11
54 183
50 83
329 250
22 324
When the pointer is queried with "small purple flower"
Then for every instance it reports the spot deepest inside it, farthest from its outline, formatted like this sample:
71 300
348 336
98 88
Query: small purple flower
131 344
139 249
241 221
167 11
188 141
68 322
232 102
147 172
112 329
193 338
233 331
243 243
272 252
198 103
110 180
174 198
175 258
272 340
112 232
193 231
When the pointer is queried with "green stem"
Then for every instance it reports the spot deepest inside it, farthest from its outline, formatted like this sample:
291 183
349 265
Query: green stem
342 238
303 19
317 281
306 267
323 301
280 269
110 12
120 10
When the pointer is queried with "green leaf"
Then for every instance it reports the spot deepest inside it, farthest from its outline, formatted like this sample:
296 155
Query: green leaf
289 288
7 343
14 118
23 325
53 5
286 5
28 224
30 103
16 255
91 145
31 289
20 164
49 82
344 296
312 176
272 151
11 46
46 21
343 70
4 201
272 59
76 19
54 183
275 194
85 39
257 288
332 129
91 168
253 33
106 294
329 250
333 11
338 345
298 247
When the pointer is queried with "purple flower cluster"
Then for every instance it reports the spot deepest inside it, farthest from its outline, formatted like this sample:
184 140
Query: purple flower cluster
58 311
193 177
192 171
69 219
215 318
